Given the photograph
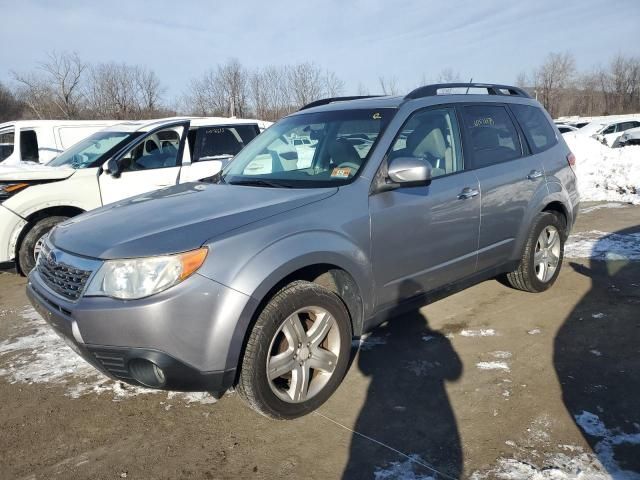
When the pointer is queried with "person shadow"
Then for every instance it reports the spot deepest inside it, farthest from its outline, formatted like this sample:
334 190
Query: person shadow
407 408
597 355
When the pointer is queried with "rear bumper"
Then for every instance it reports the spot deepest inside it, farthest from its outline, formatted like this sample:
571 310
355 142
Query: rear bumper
10 227
186 331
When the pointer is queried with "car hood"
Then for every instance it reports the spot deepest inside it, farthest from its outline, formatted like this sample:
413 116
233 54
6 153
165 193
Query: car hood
27 171
175 219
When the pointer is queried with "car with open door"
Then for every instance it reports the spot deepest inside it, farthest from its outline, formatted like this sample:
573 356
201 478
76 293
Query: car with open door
120 161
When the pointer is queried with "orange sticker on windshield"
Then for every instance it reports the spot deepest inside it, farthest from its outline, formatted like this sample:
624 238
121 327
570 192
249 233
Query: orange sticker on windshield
341 172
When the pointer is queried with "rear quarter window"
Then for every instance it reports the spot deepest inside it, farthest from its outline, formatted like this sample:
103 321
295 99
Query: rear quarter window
29 146
535 126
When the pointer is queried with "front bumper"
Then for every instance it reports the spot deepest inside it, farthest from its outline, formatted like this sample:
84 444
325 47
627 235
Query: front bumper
10 227
188 331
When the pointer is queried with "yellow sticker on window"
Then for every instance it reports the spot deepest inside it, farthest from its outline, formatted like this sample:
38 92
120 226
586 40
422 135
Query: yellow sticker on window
341 172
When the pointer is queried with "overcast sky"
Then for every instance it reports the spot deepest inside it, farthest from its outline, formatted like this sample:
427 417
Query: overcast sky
489 40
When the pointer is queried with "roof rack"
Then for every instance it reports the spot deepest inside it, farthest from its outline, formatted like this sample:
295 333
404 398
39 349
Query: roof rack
326 101
492 89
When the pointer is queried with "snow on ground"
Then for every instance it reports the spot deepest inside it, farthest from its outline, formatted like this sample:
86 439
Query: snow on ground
483 332
567 462
603 246
605 174
38 355
493 366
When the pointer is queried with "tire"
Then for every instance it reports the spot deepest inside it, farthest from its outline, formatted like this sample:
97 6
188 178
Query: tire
26 252
273 334
527 276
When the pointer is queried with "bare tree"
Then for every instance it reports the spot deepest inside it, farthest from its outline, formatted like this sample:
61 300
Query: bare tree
552 78
389 85
55 89
333 85
448 75
121 91
305 83
362 90
10 107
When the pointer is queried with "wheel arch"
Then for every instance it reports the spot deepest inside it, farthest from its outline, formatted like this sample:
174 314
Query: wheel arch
34 217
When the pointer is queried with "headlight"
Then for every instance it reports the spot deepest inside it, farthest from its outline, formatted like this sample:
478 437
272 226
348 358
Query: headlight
141 277
9 189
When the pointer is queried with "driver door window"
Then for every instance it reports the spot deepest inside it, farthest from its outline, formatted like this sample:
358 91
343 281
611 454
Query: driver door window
159 150
431 135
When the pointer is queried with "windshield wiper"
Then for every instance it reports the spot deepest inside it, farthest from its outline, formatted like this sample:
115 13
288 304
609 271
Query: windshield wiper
259 182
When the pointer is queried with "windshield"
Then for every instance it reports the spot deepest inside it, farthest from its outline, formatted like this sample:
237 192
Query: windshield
310 150
93 150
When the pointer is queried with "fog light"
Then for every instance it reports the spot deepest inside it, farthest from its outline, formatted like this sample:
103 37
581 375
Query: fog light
147 373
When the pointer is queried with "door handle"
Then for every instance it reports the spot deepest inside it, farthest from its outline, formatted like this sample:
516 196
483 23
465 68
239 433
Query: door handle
467 193
533 174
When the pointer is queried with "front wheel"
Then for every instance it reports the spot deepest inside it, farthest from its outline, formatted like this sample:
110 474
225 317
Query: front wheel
297 352
33 241
542 257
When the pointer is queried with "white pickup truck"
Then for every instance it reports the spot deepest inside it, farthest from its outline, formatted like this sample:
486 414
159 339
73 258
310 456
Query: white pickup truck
120 161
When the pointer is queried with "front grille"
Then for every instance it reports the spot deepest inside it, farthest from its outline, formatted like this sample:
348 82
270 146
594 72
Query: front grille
63 279
112 361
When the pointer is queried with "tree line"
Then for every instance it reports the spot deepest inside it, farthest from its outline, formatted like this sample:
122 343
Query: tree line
64 86
603 90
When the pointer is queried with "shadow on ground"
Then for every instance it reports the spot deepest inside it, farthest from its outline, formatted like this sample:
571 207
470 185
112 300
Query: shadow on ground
597 359
406 403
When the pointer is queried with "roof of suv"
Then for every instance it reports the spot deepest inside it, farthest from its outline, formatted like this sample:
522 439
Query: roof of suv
494 92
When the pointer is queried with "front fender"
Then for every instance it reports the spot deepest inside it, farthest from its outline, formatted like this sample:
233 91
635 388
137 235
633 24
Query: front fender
260 273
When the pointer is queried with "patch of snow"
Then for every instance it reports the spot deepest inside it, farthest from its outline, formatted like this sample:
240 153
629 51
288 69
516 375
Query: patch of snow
608 439
493 366
605 174
597 353
603 246
405 470
556 467
427 338
534 331
421 367
500 354
38 355
483 332
597 315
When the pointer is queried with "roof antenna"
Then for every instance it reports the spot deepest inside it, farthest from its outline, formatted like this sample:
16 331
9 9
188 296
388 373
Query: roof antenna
470 82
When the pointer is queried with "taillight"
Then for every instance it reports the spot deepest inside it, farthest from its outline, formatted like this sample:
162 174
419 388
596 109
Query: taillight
571 160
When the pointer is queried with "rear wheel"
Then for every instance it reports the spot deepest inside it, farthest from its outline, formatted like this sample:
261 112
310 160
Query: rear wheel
33 241
297 352
542 257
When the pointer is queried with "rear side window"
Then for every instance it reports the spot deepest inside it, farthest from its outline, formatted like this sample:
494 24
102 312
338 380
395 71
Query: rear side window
29 146
6 144
492 135
218 143
537 130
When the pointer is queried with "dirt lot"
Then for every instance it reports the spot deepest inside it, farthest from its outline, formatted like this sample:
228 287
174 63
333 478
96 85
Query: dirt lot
488 383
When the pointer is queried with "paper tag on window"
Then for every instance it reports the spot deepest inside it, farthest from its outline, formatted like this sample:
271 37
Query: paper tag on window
341 172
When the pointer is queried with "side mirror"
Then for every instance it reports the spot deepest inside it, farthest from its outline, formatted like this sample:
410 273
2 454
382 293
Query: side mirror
409 171
112 168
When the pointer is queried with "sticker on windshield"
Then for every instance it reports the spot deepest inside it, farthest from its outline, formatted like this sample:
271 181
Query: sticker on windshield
376 116
341 172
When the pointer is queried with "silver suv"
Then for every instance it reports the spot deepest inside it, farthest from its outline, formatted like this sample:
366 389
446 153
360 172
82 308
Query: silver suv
259 278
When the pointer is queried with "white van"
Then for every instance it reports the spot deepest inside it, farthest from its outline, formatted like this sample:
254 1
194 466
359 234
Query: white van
120 161
42 140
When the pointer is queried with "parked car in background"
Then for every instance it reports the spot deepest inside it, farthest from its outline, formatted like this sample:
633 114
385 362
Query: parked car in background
260 277
629 137
611 131
566 128
42 140
120 161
